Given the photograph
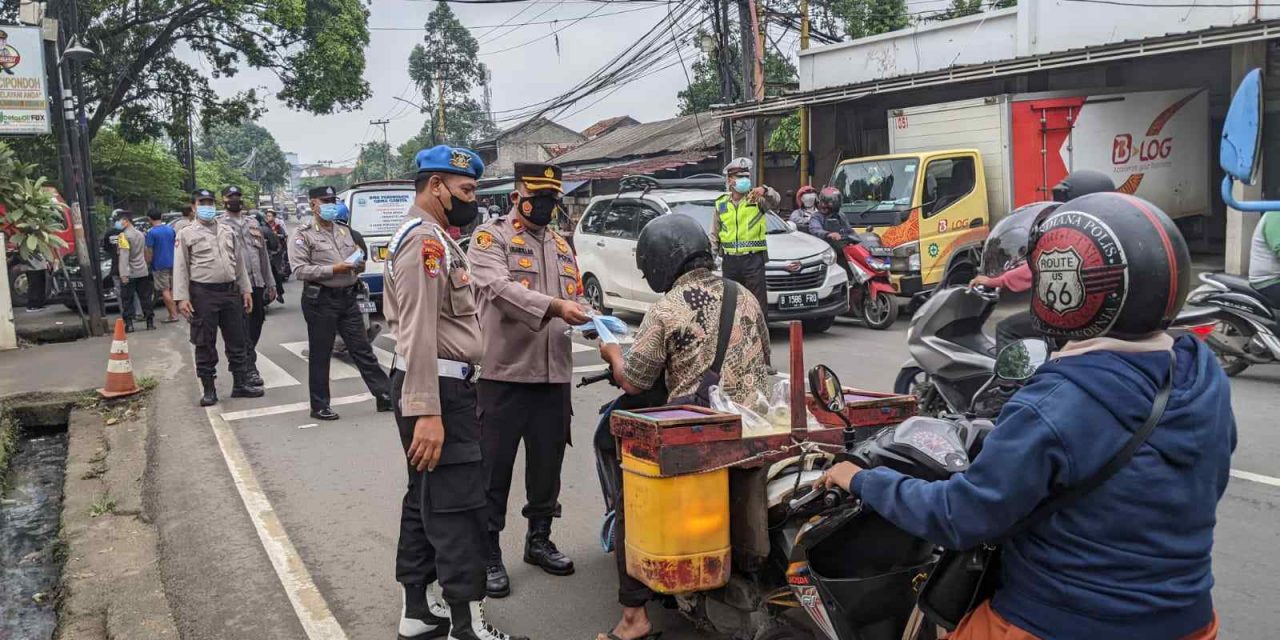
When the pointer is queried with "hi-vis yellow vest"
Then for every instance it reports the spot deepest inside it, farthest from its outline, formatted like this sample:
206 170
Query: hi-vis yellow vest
742 226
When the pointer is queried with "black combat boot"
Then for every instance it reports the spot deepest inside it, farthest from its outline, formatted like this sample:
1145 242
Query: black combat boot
128 325
151 323
422 617
468 623
210 396
242 388
254 378
539 550
384 403
496 582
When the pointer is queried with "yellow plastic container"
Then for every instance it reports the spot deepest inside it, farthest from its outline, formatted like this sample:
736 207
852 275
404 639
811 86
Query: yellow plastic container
677 528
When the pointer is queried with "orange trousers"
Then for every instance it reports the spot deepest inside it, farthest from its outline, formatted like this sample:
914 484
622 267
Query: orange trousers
984 623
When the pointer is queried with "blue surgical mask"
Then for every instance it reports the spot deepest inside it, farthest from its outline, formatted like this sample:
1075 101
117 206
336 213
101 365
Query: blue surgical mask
742 184
119 225
328 211
206 212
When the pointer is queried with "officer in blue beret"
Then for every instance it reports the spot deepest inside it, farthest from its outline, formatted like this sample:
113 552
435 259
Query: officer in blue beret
430 304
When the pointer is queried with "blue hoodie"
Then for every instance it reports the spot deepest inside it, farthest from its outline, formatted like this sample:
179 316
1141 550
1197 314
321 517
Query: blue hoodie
1132 558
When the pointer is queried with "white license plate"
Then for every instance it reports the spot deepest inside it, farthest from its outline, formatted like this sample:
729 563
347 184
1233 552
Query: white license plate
367 306
791 301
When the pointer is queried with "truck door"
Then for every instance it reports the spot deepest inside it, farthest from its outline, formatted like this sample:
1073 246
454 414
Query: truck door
1042 129
952 208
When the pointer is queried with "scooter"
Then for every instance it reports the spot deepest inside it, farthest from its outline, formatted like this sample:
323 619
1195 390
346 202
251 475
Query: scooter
1238 324
952 358
871 297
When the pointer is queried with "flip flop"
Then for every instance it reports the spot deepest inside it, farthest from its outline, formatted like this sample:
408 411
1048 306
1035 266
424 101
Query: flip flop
169 321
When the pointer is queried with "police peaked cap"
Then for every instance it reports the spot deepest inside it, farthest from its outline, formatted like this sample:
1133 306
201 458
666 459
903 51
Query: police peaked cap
446 159
536 176
320 193
201 194
231 190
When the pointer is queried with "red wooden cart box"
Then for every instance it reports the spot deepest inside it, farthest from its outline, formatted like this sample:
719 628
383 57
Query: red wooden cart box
867 409
684 439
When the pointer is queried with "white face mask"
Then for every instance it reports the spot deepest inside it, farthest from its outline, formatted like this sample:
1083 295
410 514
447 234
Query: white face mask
808 200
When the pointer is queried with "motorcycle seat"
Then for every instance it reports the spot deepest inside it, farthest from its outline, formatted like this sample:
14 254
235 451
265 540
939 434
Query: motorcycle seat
1234 283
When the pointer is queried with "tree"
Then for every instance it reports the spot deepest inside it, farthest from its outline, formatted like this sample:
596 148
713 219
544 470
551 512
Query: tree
786 136
137 175
218 172
704 91
28 215
446 69
862 18
251 148
157 56
375 162
338 182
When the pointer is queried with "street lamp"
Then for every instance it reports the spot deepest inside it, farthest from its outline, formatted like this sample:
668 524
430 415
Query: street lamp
76 52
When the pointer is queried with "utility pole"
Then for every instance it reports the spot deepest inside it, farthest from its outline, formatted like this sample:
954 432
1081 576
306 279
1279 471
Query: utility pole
439 107
720 22
753 86
386 148
805 169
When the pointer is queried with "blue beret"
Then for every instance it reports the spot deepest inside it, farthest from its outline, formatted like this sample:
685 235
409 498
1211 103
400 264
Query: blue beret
446 159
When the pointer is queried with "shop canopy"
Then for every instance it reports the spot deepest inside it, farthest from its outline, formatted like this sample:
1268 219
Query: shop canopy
503 188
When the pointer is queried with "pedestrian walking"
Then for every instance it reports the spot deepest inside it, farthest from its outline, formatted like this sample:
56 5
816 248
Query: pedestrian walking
212 289
160 240
135 277
738 229
252 244
431 306
528 285
36 269
325 257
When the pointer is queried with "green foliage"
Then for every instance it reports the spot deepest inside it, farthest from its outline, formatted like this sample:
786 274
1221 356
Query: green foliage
862 18
251 148
337 182
157 57
786 136
375 162
30 217
138 175
41 151
704 90
446 66
218 172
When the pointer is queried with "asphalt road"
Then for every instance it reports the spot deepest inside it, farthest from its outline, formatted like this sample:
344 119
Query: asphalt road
331 492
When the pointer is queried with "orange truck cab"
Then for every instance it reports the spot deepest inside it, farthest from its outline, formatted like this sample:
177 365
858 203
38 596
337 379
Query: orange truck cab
930 210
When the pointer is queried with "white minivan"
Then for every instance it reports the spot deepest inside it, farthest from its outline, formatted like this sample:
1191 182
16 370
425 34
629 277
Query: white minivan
377 211
804 281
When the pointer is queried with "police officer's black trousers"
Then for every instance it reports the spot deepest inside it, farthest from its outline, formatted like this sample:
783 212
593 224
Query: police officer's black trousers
442 516
332 312
143 288
748 270
217 306
253 325
539 414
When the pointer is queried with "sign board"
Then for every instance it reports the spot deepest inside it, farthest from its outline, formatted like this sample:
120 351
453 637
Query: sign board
24 98
379 212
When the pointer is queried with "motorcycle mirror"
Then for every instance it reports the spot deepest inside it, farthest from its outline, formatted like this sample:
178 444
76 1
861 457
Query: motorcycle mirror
826 389
1241 149
1019 361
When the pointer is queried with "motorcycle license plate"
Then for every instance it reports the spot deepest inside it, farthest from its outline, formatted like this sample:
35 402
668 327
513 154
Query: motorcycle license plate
792 301
367 306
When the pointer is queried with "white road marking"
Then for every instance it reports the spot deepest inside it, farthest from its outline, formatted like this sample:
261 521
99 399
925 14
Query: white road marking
308 426
338 370
232 416
273 375
384 357
1255 477
578 347
308 603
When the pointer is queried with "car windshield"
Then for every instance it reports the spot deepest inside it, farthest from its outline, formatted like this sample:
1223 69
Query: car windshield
876 192
703 210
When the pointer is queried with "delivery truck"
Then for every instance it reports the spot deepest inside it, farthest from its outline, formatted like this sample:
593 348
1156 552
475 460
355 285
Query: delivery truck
956 168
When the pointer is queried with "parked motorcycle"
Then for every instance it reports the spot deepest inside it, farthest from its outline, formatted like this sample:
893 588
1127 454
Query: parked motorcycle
1239 325
872 298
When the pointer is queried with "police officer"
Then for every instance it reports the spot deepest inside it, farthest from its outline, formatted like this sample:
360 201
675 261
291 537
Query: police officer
431 307
528 283
135 277
738 229
253 244
212 289
324 256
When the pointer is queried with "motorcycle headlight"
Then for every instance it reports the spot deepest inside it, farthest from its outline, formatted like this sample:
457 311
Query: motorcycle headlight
829 257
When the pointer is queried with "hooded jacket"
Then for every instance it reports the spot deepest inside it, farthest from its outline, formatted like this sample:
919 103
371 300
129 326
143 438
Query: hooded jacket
1130 559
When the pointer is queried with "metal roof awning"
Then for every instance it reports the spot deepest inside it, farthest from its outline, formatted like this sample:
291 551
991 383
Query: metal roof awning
644 166
503 188
1207 39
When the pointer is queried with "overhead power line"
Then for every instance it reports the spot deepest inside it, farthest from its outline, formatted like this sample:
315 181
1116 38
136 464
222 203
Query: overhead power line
524 24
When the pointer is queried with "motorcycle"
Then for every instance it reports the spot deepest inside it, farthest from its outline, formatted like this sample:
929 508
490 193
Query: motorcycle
871 297
1238 324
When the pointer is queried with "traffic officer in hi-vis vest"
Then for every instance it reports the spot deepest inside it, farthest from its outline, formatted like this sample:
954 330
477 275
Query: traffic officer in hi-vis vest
529 289
738 229
430 304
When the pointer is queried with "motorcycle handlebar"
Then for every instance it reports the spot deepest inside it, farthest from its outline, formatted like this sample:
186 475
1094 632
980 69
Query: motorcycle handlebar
987 293
607 374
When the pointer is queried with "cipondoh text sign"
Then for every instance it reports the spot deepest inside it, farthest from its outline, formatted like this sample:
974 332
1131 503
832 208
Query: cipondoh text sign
24 100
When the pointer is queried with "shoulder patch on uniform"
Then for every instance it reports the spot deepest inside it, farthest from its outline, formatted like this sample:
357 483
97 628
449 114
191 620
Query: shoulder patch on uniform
484 239
562 245
123 242
722 206
432 254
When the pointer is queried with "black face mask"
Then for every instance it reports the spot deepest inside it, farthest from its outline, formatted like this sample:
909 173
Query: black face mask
235 207
539 209
461 212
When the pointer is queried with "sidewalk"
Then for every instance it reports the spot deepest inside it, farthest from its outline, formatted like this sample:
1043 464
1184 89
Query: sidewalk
79 365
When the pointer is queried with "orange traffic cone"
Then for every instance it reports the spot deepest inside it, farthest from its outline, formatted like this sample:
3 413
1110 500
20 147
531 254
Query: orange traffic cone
120 380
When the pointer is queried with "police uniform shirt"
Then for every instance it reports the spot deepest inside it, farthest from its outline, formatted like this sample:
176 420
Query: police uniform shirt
315 250
131 254
206 252
431 307
518 274
253 244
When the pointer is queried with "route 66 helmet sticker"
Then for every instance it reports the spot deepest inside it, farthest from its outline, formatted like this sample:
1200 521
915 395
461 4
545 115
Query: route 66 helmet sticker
1081 276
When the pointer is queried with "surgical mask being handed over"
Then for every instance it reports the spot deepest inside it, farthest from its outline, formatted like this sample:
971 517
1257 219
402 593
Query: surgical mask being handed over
206 212
742 184
328 211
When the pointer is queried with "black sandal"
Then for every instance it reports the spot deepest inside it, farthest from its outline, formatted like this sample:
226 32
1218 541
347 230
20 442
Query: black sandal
652 635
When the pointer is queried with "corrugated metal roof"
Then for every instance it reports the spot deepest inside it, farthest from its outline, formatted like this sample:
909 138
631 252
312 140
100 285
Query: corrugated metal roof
682 134
641 167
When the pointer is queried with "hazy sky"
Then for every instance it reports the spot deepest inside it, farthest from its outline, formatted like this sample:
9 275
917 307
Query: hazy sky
521 76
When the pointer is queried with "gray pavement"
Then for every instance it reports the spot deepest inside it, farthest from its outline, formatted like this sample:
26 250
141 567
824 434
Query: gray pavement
334 489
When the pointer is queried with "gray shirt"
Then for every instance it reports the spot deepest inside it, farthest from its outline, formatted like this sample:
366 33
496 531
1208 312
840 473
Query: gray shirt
253 247
131 253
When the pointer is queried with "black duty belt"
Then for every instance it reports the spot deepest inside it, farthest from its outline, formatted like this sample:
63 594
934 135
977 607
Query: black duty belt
217 286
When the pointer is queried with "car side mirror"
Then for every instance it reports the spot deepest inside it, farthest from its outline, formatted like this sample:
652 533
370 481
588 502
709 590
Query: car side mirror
1020 360
791 225
825 387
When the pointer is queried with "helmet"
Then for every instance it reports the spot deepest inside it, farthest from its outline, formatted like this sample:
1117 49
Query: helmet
801 193
1107 264
666 245
344 214
1009 240
830 199
1082 183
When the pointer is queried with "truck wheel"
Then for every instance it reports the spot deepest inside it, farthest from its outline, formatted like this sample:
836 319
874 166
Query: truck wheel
960 274
880 312
818 325
18 288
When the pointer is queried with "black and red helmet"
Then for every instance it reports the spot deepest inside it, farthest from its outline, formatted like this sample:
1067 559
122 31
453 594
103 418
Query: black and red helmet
1107 264
830 199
